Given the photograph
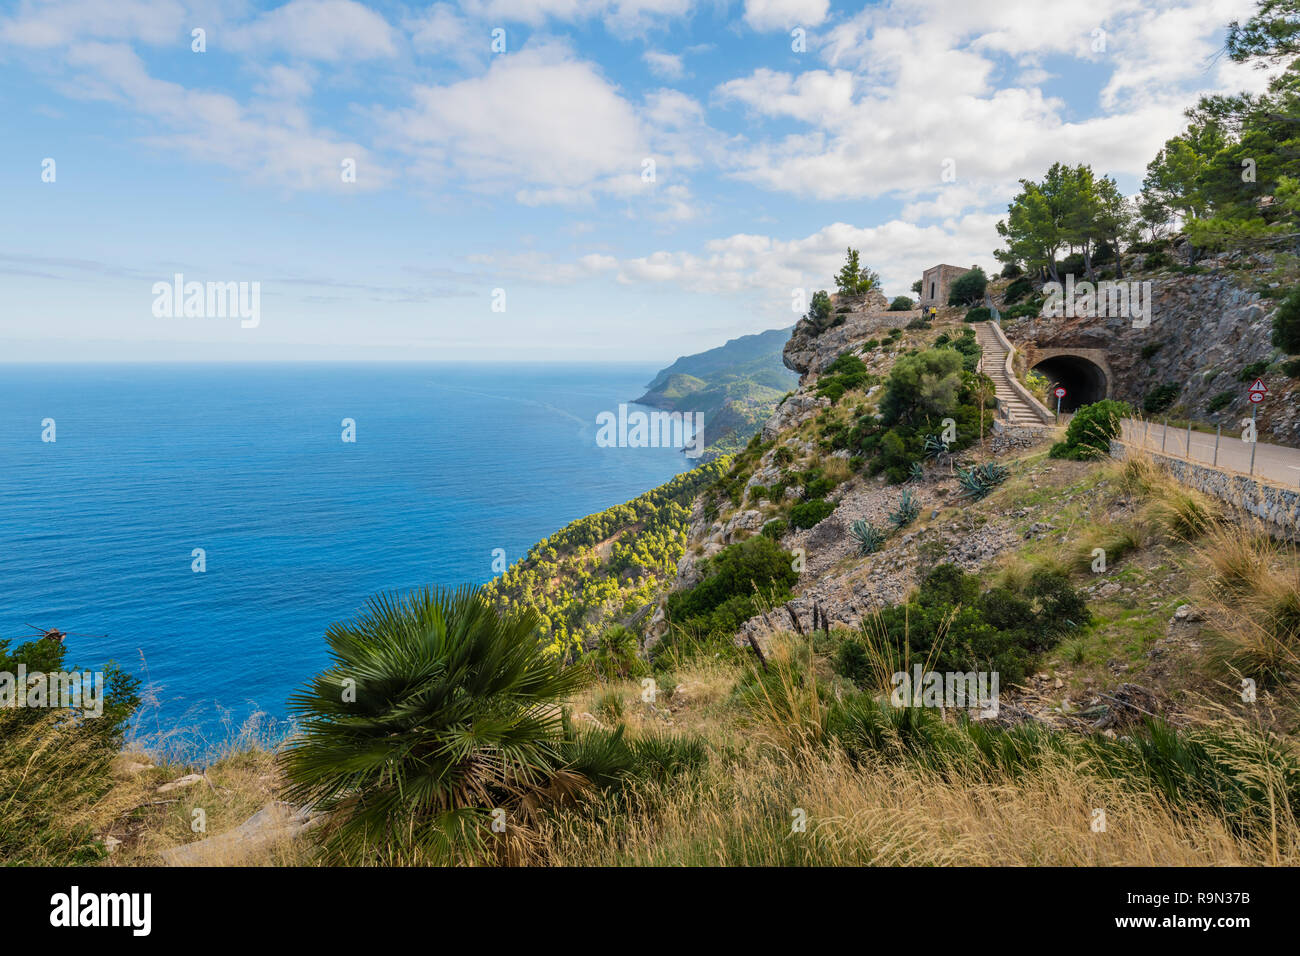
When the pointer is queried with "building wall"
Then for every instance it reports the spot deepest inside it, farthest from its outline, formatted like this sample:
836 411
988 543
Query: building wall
936 282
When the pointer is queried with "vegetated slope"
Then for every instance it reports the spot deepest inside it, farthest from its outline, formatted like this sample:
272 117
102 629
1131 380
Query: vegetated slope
607 566
735 386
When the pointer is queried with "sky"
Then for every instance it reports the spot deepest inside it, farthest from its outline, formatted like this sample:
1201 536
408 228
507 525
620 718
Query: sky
549 180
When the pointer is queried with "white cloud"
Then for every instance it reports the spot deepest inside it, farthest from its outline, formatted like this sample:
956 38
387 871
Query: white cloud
271 141
319 30
553 130
55 23
917 87
668 66
785 14
770 269
620 15
442 32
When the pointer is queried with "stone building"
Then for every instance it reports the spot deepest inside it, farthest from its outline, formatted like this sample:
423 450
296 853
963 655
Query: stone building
935 283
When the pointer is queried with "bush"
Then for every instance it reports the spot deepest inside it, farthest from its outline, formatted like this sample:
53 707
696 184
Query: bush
1149 350
951 626
1286 324
774 529
1252 371
1160 398
724 598
1091 429
968 288
808 513
1022 311
844 374
1222 400
437 709
1018 290
1291 369
920 323
978 314
56 763
1011 270
901 304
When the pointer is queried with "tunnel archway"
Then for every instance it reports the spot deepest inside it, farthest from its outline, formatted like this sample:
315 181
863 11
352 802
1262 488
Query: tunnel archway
1085 381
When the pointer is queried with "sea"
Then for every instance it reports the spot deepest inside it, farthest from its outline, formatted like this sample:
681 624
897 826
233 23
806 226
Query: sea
203 524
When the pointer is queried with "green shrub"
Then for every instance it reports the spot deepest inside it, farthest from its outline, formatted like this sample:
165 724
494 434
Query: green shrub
1252 371
1018 290
954 627
1286 323
1222 400
1291 368
1160 398
808 513
1149 350
1091 430
968 288
774 529
1023 310
724 597
901 304
56 763
978 314
920 323
845 373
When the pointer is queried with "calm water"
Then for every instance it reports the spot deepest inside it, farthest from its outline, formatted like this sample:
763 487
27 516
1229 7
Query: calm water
299 527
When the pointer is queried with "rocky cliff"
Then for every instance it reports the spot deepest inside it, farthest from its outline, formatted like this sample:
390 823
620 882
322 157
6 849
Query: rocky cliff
1205 329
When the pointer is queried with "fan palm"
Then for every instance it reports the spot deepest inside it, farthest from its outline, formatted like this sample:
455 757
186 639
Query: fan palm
436 710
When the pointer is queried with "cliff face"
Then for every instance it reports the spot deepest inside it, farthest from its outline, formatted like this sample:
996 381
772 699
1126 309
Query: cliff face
810 349
1205 329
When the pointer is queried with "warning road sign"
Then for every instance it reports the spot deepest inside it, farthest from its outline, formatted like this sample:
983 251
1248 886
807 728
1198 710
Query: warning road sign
1259 386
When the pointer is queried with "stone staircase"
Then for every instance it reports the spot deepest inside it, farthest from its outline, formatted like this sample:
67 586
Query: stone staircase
1012 408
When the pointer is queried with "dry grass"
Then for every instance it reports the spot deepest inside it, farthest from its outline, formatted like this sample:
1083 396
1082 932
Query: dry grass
1252 599
882 814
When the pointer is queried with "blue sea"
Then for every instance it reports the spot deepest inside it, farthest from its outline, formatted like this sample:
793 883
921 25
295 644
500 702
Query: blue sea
247 462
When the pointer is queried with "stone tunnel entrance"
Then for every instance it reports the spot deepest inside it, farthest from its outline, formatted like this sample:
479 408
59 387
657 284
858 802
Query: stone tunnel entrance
1085 382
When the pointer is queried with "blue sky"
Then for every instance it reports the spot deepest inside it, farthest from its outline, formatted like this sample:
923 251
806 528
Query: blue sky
522 170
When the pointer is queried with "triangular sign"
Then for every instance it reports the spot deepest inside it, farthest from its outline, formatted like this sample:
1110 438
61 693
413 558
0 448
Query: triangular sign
1258 386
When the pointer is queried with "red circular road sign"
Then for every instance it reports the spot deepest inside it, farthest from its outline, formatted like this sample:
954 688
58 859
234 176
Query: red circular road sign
1059 391
1256 397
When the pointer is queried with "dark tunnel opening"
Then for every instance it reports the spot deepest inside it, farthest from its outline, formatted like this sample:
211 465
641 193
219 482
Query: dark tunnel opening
1084 382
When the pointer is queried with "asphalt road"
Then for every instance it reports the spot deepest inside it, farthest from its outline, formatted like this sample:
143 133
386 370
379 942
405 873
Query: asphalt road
1275 463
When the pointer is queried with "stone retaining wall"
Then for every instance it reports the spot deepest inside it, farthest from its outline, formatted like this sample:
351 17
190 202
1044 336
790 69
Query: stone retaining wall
1276 506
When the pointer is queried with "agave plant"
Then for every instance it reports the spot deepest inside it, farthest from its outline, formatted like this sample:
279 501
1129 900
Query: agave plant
979 480
436 709
868 536
934 448
916 472
908 510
